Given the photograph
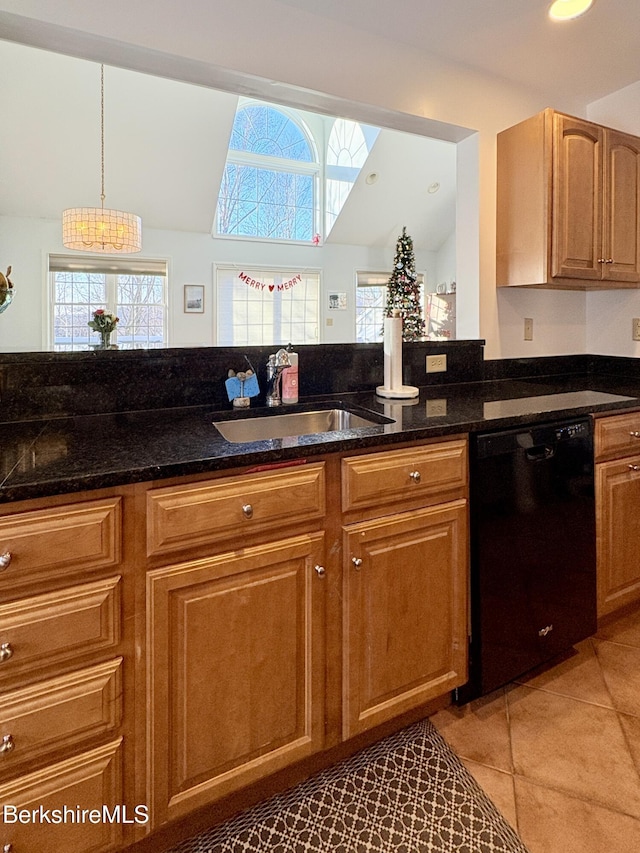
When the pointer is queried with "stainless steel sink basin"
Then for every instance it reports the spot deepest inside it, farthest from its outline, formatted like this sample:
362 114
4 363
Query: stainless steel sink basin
249 429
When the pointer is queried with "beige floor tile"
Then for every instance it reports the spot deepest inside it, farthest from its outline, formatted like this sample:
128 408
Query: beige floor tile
498 786
573 746
578 676
621 669
478 731
631 729
554 822
625 630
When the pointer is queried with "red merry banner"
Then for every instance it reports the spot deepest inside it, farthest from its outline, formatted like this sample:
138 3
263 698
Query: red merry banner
261 285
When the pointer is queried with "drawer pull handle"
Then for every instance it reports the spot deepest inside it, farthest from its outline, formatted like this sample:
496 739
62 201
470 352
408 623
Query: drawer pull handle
7 744
634 467
320 571
6 651
5 560
415 476
635 434
8 848
247 509
357 562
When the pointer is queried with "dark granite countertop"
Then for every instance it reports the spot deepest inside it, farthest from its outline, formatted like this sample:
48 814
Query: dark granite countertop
63 455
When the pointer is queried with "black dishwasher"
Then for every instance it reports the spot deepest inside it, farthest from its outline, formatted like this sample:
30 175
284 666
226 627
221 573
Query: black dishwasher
533 564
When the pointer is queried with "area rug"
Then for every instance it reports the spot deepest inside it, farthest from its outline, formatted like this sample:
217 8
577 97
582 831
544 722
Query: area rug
408 793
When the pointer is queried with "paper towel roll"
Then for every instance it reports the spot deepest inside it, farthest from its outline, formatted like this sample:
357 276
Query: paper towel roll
393 353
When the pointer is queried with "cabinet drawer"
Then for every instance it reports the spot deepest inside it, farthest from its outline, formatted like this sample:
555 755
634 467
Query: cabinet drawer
58 626
59 713
403 476
87 782
233 508
618 435
41 544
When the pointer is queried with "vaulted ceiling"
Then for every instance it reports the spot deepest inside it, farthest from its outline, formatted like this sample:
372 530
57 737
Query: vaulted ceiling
165 148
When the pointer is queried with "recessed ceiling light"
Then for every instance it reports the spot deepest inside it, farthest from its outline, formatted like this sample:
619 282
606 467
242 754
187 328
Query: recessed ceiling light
371 178
433 188
564 10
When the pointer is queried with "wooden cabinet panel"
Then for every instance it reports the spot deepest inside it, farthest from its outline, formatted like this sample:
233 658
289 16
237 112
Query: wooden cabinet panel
87 782
403 476
60 713
233 508
621 228
618 533
59 626
236 679
405 612
617 436
577 199
47 543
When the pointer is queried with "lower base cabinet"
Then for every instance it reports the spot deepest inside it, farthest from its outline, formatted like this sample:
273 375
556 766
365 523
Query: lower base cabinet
56 822
405 592
236 670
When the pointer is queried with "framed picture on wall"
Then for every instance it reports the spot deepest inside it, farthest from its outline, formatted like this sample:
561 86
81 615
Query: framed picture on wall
194 299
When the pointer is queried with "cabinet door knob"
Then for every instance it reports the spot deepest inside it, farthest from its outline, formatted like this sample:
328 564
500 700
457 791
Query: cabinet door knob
634 467
8 848
320 571
601 261
609 261
7 744
357 562
247 509
635 434
415 476
5 560
6 651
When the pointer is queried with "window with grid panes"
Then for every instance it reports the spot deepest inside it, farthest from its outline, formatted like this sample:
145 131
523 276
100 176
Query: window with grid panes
135 290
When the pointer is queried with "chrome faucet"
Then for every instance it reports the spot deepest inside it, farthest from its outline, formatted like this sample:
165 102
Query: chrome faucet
276 364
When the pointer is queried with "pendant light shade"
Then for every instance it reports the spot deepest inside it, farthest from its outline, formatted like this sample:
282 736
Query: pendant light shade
98 229
565 10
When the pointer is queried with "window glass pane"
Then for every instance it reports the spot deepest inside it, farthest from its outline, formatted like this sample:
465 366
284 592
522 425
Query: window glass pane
138 300
266 306
262 129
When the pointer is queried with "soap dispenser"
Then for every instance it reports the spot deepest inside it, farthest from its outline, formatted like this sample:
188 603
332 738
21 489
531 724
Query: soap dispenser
290 378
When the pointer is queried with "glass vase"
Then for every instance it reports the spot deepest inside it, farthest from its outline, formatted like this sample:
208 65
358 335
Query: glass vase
105 339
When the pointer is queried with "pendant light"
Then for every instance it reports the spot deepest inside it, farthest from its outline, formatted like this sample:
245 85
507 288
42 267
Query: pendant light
98 229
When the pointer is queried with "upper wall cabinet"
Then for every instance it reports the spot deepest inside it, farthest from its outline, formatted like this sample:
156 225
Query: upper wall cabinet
568 205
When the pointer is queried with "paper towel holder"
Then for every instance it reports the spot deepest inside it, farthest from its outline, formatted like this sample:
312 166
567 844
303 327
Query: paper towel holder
392 346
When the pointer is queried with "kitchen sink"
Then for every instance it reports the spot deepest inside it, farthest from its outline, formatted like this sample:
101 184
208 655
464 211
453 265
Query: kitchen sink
281 425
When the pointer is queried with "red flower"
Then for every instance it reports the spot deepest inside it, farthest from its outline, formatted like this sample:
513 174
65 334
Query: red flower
99 311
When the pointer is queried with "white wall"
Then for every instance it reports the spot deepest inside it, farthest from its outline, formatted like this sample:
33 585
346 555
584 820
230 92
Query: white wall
191 258
309 56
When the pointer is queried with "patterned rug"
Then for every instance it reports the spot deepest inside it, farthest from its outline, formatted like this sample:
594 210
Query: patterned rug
409 793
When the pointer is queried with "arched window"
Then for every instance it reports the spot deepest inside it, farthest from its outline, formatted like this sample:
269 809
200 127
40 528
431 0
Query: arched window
347 152
269 184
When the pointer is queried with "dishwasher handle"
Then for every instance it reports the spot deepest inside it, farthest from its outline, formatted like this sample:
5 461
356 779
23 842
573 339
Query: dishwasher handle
540 452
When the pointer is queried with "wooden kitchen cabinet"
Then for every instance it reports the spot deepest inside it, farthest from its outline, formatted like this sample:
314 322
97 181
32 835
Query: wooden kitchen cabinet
568 205
66 670
617 446
405 582
236 647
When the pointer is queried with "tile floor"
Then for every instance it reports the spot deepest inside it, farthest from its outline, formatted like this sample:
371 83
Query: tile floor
558 751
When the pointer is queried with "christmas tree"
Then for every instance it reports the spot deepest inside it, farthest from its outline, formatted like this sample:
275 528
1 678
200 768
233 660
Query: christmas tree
403 290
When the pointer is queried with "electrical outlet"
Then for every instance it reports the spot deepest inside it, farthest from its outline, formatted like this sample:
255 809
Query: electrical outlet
635 329
436 408
436 363
528 328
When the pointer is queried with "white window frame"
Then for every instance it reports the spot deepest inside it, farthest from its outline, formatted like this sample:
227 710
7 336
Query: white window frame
111 268
379 280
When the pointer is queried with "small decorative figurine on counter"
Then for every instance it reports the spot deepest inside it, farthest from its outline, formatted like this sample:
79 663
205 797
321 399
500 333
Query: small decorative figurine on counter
241 386
6 290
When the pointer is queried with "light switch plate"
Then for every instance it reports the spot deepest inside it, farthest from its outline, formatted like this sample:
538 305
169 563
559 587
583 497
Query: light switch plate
528 328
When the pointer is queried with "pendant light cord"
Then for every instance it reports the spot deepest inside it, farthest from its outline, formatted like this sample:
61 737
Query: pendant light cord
102 195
